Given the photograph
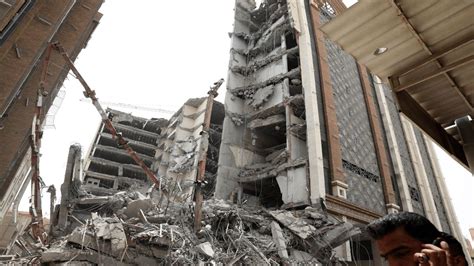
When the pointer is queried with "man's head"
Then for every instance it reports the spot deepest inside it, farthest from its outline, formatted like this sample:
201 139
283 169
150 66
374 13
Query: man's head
400 235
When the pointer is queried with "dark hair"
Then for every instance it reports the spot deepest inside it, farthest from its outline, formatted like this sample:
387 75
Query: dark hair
455 247
414 224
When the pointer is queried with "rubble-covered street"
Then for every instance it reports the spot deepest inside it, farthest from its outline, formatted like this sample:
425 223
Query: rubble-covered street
129 228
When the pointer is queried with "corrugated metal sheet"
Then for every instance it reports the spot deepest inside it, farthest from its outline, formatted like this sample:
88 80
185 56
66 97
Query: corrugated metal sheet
422 38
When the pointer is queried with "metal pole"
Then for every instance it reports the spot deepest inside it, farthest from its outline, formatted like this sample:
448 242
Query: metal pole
37 227
198 197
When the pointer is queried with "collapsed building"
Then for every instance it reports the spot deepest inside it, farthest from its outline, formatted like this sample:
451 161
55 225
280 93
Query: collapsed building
109 213
306 125
309 148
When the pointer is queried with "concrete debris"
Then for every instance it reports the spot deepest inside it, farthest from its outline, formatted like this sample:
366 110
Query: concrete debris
247 5
206 249
182 163
122 117
298 226
161 232
134 208
266 43
255 65
237 119
279 240
187 146
277 157
275 14
104 234
247 92
299 256
264 170
261 96
263 122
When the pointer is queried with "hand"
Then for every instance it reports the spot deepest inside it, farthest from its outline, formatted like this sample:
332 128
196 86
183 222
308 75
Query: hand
434 256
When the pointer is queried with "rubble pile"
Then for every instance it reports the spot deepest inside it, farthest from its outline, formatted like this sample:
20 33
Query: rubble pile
134 229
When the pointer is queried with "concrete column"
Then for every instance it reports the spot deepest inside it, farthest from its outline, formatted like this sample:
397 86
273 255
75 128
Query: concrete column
317 186
230 156
377 136
338 180
420 173
74 157
344 250
393 147
447 203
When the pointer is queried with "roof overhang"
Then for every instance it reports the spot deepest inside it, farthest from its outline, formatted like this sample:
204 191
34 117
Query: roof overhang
425 50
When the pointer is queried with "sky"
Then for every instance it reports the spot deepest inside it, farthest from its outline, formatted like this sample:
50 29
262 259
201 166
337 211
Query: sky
158 54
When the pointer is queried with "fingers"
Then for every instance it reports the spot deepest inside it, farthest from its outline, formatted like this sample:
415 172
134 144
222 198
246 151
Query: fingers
422 258
433 255
450 259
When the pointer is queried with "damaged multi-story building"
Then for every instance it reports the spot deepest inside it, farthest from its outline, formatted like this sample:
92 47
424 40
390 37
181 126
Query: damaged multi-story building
307 125
168 147
308 148
26 28
178 152
108 168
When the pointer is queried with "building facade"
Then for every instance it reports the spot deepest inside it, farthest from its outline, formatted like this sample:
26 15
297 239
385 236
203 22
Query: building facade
307 125
26 28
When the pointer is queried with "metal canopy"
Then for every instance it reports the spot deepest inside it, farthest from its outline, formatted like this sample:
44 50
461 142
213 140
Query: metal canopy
425 50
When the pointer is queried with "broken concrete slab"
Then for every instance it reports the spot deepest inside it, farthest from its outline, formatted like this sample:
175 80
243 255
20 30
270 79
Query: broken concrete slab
274 155
206 249
261 96
110 229
297 225
279 240
101 234
57 254
244 157
187 146
301 257
133 208
294 186
339 234
271 120
236 118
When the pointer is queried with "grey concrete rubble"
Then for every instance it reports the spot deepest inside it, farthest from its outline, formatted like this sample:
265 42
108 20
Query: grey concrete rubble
237 119
164 234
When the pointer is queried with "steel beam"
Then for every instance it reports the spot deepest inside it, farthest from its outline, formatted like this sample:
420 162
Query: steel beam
440 71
